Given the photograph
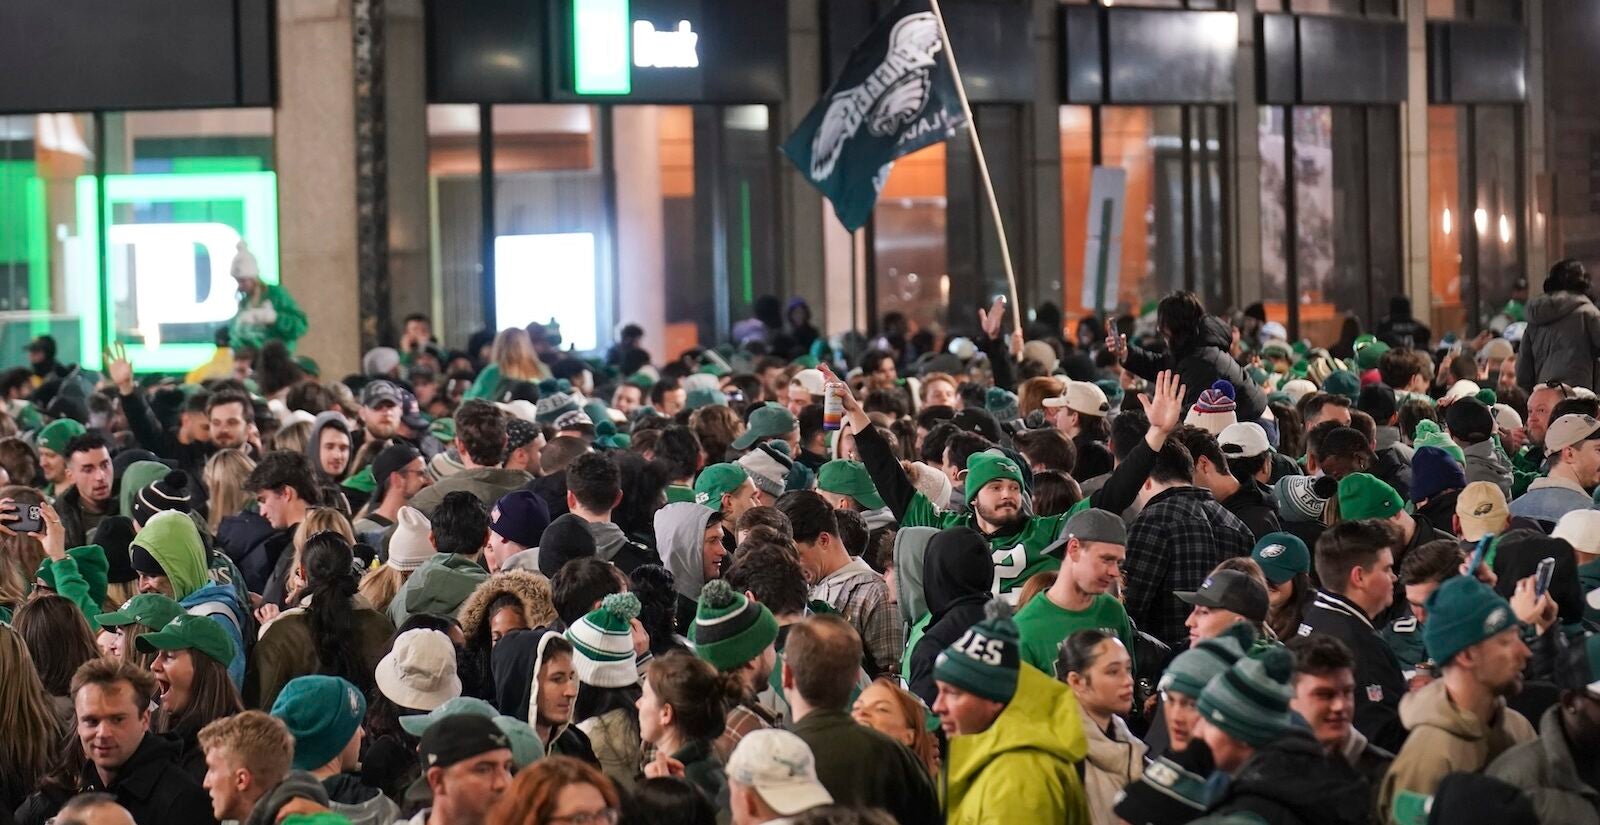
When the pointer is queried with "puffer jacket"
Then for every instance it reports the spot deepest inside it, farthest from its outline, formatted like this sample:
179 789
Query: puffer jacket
1293 781
1115 759
1204 360
1562 342
1545 770
1022 769
1445 739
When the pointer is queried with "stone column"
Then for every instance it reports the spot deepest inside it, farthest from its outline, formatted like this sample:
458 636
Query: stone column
1042 264
410 275
1414 161
315 125
1246 163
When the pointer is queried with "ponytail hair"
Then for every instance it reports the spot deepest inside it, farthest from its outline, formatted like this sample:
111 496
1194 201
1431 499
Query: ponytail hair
331 583
700 696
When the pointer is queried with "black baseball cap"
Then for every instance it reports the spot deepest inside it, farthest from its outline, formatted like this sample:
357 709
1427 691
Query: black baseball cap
392 458
1230 590
458 738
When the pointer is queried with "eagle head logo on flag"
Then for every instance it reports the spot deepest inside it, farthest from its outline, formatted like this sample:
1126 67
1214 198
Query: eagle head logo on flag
895 95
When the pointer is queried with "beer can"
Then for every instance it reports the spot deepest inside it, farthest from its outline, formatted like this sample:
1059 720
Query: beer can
832 406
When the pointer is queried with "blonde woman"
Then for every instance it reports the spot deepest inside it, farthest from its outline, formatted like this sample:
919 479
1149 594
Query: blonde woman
292 438
286 582
224 479
514 360
32 732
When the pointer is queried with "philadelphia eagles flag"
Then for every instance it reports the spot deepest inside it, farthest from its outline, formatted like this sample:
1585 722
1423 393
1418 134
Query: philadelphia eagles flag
895 95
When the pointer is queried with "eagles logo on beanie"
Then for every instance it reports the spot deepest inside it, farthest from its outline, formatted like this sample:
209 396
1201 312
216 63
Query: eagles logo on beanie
985 660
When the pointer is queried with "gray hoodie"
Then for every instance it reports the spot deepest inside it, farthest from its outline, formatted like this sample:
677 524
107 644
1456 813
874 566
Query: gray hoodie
327 419
297 785
1485 463
680 537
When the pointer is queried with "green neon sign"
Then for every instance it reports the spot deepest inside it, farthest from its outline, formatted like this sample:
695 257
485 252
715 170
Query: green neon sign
601 47
255 197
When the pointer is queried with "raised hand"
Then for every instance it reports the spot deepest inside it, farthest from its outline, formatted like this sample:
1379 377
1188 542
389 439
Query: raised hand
990 320
851 405
118 368
1165 408
1117 344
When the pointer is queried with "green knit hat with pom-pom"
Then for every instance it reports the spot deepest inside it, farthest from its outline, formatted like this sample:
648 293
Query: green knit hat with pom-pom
1430 435
730 629
1250 701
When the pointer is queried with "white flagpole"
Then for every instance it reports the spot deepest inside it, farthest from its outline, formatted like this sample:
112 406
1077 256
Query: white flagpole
983 163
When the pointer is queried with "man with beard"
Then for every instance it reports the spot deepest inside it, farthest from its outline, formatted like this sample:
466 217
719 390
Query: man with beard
380 412
993 488
231 415
1460 721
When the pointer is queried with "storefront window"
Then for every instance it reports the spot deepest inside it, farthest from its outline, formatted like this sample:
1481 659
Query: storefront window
149 265
456 209
1343 261
910 244
1165 171
1476 250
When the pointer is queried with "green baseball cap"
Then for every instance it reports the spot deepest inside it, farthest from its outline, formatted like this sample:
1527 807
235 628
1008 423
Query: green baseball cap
717 481
152 610
418 724
55 435
850 478
1281 556
988 466
1364 496
768 421
190 632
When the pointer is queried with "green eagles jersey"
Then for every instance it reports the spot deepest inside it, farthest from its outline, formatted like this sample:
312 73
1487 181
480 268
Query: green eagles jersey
1016 556
1043 624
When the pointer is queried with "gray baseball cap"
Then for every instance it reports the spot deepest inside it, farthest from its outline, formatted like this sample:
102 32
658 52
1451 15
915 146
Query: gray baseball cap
1089 525
1230 590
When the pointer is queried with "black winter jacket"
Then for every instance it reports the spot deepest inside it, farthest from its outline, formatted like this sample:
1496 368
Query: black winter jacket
151 785
1293 781
957 579
1379 680
1201 362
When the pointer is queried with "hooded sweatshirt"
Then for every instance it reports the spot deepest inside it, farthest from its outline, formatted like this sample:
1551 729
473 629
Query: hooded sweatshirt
359 803
680 539
910 548
439 587
173 540
516 662
1445 739
314 443
297 785
1022 768
1486 463
1561 342
957 575
1293 781
613 545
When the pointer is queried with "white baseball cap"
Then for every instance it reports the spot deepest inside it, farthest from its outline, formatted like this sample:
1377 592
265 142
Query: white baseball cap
1460 389
1506 418
1081 397
1245 439
1581 529
810 381
779 766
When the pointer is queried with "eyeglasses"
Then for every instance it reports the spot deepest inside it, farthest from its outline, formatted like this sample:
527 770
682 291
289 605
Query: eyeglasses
607 816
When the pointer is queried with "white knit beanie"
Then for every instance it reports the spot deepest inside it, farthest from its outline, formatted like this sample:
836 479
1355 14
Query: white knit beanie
602 643
409 547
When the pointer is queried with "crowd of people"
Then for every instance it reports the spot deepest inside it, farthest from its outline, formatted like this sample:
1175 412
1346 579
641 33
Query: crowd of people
1156 570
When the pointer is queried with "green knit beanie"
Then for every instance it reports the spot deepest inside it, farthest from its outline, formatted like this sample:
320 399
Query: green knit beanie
1462 613
988 466
323 713
1429 435
1343 382
730 629
1364 496
986 660
1250 701
56 434
1194 668
602 643
1001 403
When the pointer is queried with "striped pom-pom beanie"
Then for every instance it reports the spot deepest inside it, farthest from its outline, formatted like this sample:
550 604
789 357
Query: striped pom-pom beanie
1191 670
1250 701
1214 410
602 643
729 629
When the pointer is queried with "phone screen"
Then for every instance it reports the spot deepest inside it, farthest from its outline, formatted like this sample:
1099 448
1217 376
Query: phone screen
1541 584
